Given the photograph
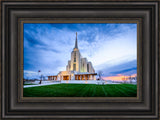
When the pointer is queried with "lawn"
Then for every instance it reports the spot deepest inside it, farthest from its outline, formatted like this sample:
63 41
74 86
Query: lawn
82 90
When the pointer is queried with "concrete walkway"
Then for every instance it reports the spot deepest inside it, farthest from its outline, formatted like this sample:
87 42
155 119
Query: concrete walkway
26 86
64 82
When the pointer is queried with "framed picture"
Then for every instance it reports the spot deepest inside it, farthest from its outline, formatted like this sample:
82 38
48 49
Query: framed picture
80 60
112 71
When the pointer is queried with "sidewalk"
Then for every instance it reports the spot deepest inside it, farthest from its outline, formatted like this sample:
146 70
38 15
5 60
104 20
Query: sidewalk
63 81
26 86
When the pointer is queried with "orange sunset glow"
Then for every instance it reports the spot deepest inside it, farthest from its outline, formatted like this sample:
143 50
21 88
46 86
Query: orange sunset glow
119 77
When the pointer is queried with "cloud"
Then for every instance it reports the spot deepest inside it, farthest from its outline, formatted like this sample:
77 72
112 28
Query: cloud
124 71
30 74
125 68
48 47
119 77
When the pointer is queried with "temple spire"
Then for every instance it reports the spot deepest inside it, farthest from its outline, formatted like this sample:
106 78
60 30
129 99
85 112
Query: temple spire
76 44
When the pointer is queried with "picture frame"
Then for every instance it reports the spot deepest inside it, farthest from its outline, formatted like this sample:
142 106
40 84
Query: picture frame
145 13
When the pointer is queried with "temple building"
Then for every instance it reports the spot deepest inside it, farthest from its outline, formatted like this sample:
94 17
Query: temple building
78 68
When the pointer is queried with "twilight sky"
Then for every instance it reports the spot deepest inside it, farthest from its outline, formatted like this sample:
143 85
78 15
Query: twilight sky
112 48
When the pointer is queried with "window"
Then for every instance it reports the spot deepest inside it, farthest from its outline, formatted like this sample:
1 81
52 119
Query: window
74 67
75 57
87 67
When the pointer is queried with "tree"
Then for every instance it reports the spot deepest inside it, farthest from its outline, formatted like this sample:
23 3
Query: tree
100 74
41 77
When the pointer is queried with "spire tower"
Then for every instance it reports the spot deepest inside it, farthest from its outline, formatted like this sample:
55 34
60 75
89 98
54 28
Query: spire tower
76 44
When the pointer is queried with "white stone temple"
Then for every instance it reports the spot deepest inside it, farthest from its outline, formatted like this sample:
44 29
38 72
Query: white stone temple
78 68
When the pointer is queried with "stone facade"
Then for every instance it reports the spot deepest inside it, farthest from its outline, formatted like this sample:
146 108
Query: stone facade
77 63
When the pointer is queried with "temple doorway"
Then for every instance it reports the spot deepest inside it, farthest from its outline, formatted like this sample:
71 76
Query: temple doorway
66 77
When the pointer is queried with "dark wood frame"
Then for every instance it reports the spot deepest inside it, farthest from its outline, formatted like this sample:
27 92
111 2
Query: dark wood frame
137 21
145 107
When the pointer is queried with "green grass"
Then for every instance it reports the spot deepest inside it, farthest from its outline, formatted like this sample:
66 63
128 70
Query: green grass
82 90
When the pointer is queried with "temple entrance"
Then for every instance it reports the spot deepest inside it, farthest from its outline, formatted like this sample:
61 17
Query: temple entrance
66 77
81 77
77 77
85 77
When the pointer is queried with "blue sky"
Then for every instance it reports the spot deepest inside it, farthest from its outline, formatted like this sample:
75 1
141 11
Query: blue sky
112 48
